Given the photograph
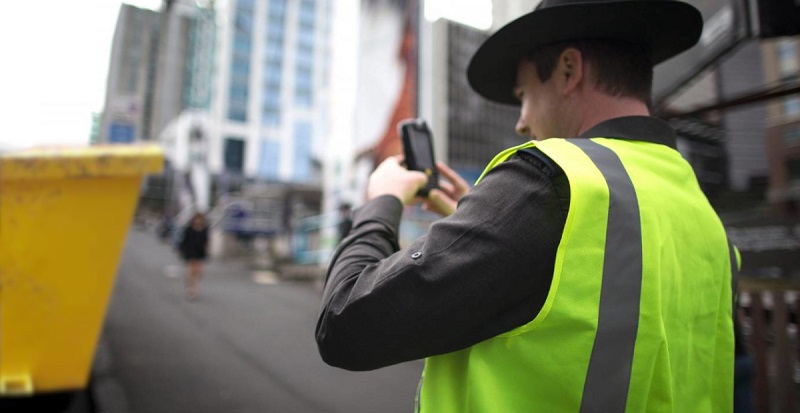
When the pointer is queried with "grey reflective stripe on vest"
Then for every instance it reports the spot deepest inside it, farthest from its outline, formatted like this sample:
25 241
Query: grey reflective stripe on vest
609 374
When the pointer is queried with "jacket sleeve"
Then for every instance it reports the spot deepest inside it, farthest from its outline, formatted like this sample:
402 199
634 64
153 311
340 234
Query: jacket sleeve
482 271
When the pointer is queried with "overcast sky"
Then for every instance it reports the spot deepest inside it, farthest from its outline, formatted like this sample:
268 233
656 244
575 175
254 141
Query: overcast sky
55 63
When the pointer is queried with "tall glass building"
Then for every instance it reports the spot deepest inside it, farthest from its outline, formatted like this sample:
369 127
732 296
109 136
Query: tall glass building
269 107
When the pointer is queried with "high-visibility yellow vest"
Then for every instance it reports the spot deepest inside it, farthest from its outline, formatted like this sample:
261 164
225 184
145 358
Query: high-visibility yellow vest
638 317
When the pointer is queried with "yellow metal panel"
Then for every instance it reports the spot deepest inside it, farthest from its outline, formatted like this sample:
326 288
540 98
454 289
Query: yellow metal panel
111 160
60 243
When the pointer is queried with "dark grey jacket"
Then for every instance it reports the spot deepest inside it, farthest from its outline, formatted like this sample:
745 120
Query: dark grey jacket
478 273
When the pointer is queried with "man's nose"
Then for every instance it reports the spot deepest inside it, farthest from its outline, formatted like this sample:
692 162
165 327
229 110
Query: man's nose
522 129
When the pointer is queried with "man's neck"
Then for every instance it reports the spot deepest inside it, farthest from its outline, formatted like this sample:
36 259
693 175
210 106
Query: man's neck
603 107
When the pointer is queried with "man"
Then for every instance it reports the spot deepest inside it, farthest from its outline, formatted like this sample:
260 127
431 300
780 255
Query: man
585 271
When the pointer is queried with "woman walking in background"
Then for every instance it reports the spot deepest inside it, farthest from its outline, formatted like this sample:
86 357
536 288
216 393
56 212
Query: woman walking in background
193 246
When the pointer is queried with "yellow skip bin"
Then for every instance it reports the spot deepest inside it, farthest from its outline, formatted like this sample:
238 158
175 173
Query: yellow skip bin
64 215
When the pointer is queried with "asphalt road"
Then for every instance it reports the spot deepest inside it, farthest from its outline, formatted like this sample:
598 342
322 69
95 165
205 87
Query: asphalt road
244 345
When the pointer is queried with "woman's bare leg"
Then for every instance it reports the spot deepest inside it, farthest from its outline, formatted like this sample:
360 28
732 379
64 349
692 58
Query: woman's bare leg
195 271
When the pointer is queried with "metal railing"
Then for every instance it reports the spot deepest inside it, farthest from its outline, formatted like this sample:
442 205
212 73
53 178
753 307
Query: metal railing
770 320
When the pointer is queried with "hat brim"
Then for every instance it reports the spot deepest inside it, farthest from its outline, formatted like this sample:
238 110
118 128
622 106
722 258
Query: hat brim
667 28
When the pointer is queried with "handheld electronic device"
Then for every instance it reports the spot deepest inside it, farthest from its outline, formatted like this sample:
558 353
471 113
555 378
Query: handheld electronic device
418 151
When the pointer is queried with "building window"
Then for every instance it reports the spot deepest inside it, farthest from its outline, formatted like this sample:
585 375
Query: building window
273 63
303 97
304 58
793 169
276 26
277 7
241 47
272 74
270 159
240 70
234 155
244 22
303 86
302 150
271 116
307 9
787 58
271 96
271 107
791 105
306 37
307 14
789 67
240 62
792 133
274 48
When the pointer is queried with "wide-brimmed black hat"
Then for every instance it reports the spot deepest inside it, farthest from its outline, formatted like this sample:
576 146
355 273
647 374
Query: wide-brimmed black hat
665 27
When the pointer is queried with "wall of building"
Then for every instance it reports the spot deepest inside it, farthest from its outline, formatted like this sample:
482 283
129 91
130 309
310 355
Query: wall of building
127 84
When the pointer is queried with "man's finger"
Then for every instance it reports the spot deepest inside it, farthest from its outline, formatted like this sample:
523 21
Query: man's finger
440 203
447 187
453 176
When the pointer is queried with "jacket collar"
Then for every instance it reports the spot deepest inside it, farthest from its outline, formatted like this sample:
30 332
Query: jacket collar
635 128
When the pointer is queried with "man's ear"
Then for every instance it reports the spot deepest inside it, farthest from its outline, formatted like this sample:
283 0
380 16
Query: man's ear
570 69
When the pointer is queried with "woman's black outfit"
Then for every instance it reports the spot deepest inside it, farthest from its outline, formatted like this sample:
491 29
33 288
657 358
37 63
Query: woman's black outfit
193 244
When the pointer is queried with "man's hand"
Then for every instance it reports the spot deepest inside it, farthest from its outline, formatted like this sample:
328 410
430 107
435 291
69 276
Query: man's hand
391 178
443 201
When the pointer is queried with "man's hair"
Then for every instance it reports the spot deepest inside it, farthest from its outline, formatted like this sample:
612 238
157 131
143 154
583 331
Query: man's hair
621 69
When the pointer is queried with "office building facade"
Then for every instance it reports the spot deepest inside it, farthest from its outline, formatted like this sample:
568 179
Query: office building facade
252 75
161 65
268 111
130 78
